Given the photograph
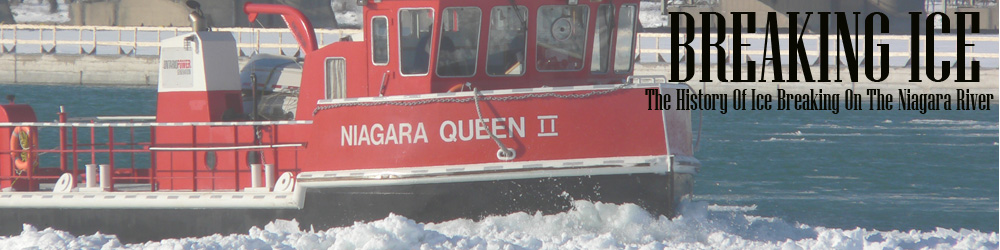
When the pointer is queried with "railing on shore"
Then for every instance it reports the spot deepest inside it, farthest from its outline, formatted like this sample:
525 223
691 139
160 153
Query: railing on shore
652 47
59 39
656 47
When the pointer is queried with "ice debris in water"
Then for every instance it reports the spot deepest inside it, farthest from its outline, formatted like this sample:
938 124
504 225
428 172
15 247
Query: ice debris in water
590 225
31 238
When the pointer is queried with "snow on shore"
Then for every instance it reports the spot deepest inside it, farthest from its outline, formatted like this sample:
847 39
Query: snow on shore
37 11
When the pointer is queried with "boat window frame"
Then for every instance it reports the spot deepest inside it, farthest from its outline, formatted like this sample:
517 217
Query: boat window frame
632 37
585 37
387 47
327 81
527 23
610 42
479 34
399 43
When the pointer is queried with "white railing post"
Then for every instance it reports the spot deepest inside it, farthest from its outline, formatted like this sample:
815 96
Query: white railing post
135 41
41 48
255 175
105 176
79 40
158 42
91 176
269 176
54 39
729 47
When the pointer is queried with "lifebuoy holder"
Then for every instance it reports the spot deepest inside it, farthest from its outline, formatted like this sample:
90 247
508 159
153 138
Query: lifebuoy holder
460 87
22 139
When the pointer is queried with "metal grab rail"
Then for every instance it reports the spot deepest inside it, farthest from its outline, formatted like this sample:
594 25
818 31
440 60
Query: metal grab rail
107 149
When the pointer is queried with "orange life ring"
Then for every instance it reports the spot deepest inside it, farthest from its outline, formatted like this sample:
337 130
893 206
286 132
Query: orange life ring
457 87
22 139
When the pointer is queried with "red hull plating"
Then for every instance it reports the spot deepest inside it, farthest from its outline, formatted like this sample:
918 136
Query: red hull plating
442 132
432 130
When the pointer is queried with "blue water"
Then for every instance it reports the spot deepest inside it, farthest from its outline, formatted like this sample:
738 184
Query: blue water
88 101
884 170
871 169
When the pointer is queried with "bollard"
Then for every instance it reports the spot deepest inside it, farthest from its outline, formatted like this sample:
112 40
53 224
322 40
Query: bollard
255 175
91 175
105 176
269 176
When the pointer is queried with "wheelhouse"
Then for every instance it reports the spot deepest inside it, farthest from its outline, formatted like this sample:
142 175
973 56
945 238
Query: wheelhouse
419 47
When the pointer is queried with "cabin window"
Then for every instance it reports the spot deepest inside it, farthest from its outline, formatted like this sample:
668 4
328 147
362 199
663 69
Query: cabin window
458 46
508 34
415 32
561 37
336 81
626 38
380 40
602 39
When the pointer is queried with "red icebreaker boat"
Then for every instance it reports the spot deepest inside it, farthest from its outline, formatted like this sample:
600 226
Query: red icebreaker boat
448 109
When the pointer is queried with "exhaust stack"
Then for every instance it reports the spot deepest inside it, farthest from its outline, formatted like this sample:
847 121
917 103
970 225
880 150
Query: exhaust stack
301 28
196 17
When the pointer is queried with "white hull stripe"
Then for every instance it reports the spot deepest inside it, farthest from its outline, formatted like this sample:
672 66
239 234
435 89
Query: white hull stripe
483 176
112 118
224 148
149 124
295 199
650 163
150 200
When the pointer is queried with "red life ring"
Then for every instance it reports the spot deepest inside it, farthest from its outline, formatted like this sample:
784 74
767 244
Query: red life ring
23 160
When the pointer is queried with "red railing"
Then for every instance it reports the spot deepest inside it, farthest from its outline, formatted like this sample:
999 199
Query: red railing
141 167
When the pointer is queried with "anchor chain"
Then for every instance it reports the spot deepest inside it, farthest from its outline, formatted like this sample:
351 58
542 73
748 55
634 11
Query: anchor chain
504 153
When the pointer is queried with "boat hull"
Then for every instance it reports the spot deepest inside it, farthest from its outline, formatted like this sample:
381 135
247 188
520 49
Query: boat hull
600 143
326 207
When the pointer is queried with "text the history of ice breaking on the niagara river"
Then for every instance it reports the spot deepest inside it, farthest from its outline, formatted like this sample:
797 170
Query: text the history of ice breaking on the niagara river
816 99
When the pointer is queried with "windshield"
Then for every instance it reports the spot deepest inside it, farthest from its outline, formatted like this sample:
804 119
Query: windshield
602 40
458 47
561 37
505 52
626 36
415 28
